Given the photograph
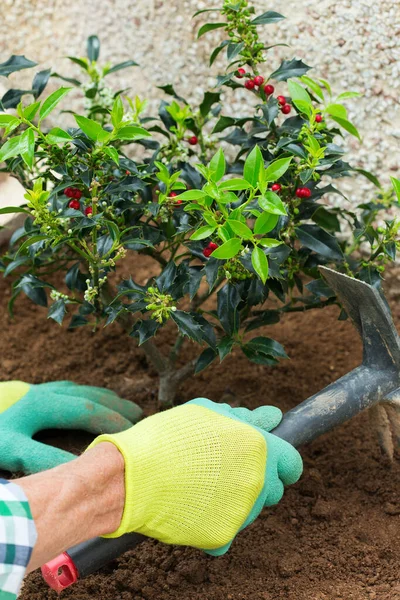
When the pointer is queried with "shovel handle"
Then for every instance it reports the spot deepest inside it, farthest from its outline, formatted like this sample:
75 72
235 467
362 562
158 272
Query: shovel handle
336 404
84 559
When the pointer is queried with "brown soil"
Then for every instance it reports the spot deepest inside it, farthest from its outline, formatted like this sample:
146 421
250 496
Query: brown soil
335 535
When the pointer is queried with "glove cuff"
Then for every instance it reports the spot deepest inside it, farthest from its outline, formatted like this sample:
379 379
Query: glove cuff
128 521
11 392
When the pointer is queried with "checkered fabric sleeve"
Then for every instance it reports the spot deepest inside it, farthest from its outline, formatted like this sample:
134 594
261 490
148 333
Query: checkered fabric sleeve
17 538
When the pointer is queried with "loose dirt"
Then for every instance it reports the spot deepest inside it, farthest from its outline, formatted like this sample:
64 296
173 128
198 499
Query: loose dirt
335 535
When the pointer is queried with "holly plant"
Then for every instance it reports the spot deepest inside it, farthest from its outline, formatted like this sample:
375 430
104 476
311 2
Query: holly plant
232 211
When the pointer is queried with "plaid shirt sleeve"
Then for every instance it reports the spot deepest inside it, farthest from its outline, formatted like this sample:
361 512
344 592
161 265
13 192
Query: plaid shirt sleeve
17 538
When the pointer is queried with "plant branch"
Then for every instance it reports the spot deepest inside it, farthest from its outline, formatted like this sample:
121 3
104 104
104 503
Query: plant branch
158 360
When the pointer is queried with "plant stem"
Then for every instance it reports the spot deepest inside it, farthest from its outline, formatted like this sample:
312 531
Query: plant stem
305 307
157 359
176 349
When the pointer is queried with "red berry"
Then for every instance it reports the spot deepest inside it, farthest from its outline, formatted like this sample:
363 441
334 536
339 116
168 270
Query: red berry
178 202
193 140
212 246
276 187
173 195
303 192
318 118
240 73
269 89
127 172
258 80
75 204
281 100
207 252
250 85
286 108
73 193
88 211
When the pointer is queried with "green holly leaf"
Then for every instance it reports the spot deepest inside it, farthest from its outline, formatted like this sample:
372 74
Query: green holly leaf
290 68
320 241
15 63
93 48
192 195
202 233
209 99
228 249
234 184
300 97
120 66
10 149
265 223
277 168
347 95
313 85
57 311
264 351
112 153
8 210
92 129
260 263
132 133
51 102
30 111
240 229
217 166
396 186
223 123
270 242
188 325
252 166
27 147
58 136
117 111
210 27
205 359
348 126
336 110
6 120
267 18
272 204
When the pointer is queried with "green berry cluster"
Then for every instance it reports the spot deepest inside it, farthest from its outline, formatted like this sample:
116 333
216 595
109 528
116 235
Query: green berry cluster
160 305
235 271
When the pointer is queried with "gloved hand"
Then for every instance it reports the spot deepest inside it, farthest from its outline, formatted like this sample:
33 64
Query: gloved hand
26 409
198 474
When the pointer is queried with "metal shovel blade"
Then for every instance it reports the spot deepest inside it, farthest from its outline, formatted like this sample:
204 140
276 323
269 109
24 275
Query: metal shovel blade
376 380
371 316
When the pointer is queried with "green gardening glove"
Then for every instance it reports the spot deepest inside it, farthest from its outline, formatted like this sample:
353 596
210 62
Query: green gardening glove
198 474
27 409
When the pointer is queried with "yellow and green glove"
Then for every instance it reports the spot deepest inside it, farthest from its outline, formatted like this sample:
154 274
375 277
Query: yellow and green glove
198 474
27 409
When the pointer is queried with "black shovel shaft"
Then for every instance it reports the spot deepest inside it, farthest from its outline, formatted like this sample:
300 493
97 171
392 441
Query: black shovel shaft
94 554
360 389
336 404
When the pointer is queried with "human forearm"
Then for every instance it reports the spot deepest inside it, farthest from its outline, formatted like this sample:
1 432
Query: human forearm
75 501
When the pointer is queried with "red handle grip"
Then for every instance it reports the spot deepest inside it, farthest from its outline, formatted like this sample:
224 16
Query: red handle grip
60 572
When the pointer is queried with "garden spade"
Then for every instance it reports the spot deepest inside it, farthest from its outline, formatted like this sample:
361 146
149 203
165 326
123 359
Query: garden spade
375 384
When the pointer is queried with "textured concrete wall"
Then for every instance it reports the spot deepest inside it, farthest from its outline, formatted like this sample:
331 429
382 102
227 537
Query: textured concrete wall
355 44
